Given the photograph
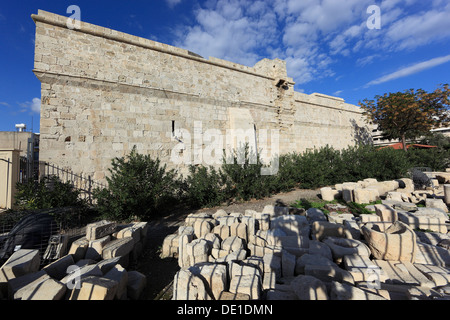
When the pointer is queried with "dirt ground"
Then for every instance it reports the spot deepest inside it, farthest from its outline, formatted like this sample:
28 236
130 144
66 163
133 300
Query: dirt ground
160 272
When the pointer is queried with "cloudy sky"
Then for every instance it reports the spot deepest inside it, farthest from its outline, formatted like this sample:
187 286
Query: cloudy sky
354 49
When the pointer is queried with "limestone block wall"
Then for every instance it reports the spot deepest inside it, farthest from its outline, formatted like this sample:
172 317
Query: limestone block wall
104 92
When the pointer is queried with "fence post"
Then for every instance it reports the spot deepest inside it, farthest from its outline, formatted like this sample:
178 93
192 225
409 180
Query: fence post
89 190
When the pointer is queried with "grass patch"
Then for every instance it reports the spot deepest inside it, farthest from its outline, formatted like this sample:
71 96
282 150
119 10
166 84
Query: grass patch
353 207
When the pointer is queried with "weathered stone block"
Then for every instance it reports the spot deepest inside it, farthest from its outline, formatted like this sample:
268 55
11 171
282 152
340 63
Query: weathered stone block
311 259
247 284
198 251
99 229
120 275
21 262
118 248
323 229
95 248
43 288
58 269
170 246
95 288
292 225
386 213
397 243
233 244
309 288
78 249
329 194
188 286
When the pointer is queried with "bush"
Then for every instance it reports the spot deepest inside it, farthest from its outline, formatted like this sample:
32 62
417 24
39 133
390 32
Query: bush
436 158
205 187
49 193
242 172
137 188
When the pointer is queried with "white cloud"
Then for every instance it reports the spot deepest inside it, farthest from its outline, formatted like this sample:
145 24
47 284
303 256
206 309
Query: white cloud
172 3
6 104
33 106
310 35
418 67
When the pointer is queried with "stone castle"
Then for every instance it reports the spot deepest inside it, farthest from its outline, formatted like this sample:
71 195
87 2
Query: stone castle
104 92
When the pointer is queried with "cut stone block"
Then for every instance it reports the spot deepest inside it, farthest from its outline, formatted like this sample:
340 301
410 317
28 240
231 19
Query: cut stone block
75 278
275 211
314 214
118 248
323 229
99 230
440 276
363 269
78 249
329 273
233 243
336 217
366 195
43 288
309 288
136 284
288 261
95 248
223 231
318 247
130 231
434 255
403 273
239 230
225 295
21 262
272 263
198 251
341 247
437 204
424 220
311 259
247 284
214 276
343 291
170 246
398 243
95 288
263 220
202 227
386 213
58 269
188 286
120 275
329 194
18 283
292 225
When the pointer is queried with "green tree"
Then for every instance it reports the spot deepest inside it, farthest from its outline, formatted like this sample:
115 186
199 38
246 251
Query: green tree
409 114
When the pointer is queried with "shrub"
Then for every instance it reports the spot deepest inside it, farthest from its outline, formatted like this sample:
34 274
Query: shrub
137 188
242 170
205 187
49 193
436 158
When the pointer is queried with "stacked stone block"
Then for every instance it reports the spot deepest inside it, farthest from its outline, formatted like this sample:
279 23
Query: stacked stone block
93 269
307 256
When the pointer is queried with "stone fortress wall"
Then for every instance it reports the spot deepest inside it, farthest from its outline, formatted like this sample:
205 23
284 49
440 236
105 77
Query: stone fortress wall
104 92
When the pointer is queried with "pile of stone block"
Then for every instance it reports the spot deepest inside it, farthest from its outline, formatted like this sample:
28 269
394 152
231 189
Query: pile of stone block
93 269
366 191
277 255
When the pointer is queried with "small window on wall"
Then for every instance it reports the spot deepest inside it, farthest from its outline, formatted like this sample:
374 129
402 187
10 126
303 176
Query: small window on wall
173 128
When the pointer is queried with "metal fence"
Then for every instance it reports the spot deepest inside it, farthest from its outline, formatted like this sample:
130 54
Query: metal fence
84 183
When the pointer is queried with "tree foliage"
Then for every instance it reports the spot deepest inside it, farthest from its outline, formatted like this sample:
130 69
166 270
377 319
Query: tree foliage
409 114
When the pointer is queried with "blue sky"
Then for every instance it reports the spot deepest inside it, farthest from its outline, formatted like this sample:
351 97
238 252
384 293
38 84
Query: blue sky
329 45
